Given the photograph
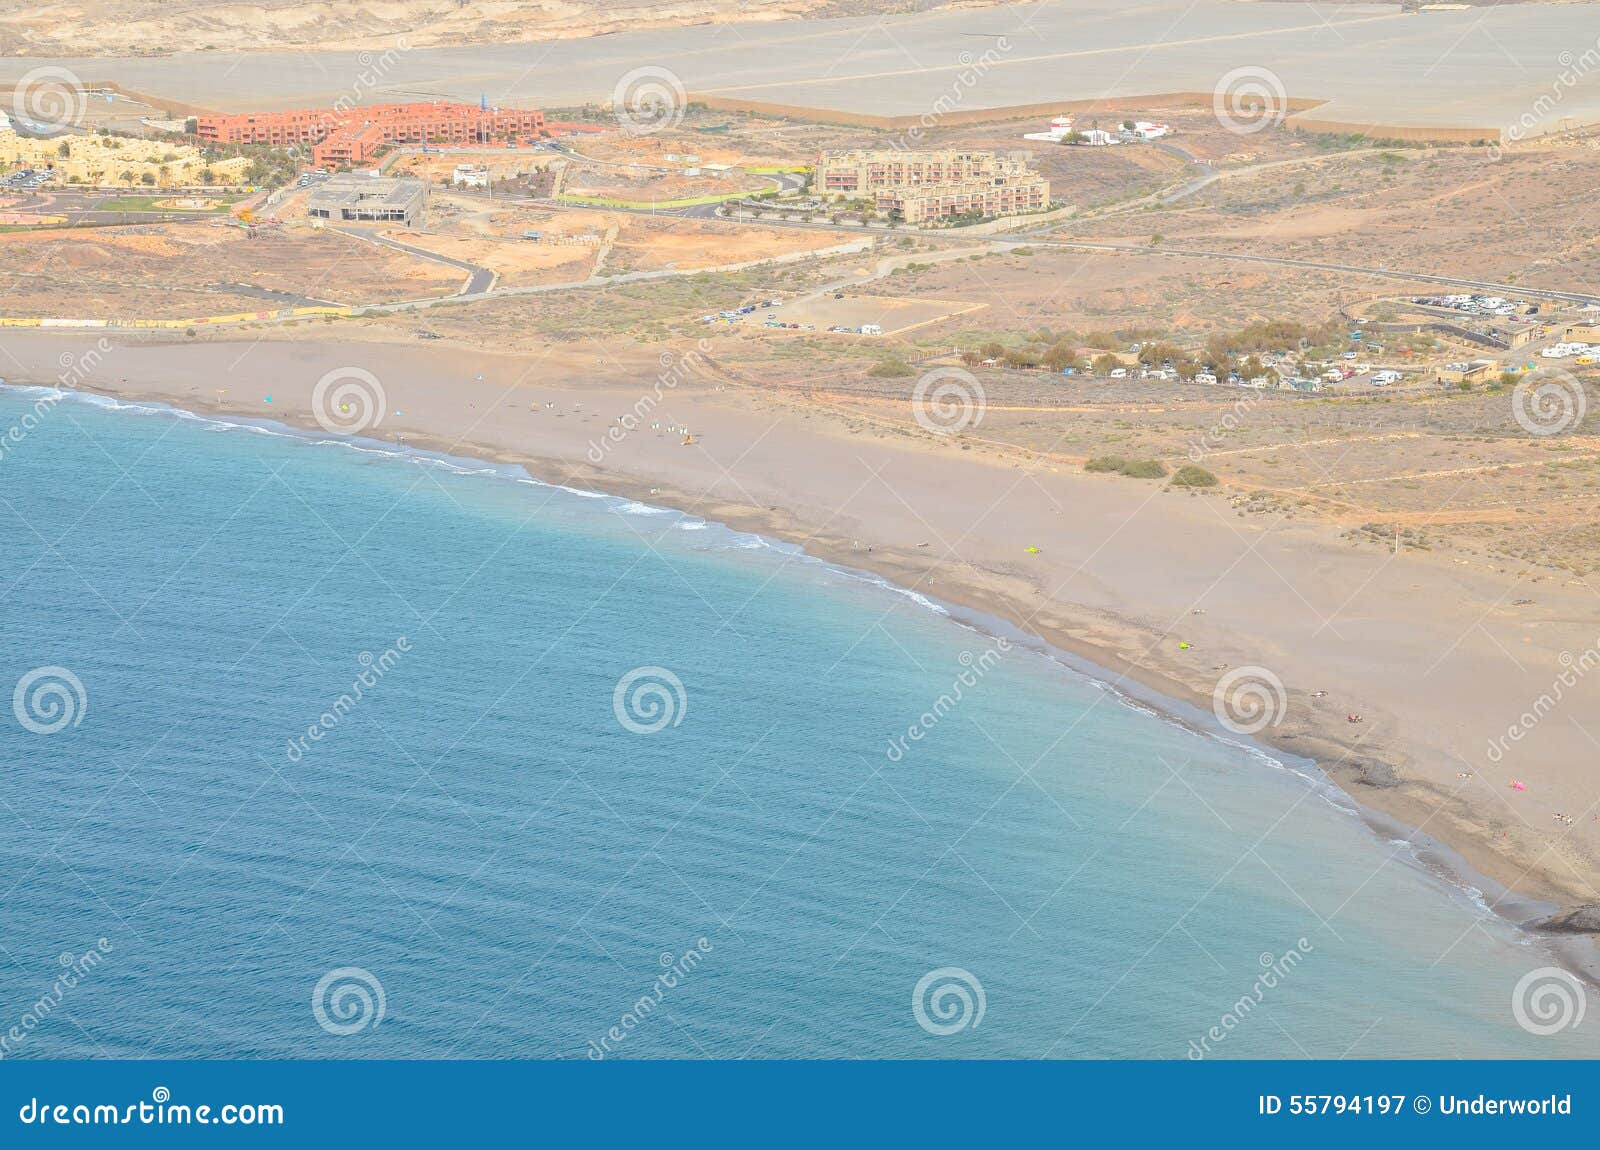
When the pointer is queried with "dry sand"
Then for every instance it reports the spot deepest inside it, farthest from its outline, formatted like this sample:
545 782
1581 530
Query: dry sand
1439 659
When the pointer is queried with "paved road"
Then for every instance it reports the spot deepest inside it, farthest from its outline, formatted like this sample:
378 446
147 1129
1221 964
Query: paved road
482 278
1033 239
570 285
281 298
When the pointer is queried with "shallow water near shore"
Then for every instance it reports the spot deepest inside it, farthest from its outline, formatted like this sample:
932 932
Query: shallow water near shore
517 867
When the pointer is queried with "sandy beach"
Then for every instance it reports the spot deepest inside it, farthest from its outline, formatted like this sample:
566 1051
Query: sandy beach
1174 591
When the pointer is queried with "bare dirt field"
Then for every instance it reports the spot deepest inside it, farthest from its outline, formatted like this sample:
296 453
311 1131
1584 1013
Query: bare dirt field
1392 481
679 144
1093 177
439 167
654 244
1454 210
1445 468
516 262
173 271
895 315
650 185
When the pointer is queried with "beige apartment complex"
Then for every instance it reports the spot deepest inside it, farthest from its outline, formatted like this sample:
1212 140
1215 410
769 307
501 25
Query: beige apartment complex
112 160
923 186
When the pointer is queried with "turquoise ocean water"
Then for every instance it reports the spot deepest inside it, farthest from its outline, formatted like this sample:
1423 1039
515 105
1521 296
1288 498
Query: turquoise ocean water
486 851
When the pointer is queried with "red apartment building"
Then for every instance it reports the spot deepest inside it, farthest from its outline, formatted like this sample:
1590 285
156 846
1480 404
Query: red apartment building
345 137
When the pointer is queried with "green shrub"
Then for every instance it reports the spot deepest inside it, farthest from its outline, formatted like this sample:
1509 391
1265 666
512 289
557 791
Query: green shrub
891 369
1191 476
1145 469
1133 468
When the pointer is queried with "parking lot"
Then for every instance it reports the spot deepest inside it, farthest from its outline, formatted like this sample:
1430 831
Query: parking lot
28 179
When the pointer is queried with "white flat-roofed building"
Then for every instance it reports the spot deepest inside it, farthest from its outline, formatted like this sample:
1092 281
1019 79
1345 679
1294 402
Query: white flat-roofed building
368 199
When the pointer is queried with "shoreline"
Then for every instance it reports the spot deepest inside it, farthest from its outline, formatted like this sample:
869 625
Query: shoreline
1434 859
1393 801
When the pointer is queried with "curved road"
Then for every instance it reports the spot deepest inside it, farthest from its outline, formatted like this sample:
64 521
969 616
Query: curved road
482 278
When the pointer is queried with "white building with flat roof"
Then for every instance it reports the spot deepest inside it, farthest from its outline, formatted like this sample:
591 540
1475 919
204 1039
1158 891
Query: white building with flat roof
1060 128
368 199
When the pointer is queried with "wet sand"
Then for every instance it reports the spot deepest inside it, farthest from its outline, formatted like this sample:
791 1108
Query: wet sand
1437 657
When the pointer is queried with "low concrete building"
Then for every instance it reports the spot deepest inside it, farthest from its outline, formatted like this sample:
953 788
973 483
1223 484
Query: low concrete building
1478 371
369 199
1519 334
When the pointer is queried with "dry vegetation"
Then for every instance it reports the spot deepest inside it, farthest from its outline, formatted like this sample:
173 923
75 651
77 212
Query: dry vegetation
1449 470
1452 211
159 271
